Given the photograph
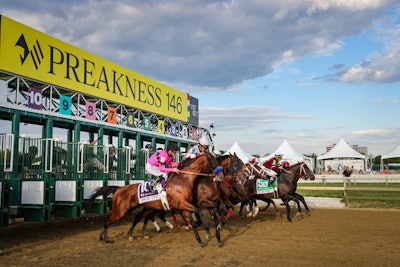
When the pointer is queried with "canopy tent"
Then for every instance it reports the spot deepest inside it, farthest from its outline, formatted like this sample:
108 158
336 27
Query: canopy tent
289 154
243 155
343 154
395 153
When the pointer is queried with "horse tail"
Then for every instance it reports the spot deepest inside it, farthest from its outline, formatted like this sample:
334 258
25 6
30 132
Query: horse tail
101 191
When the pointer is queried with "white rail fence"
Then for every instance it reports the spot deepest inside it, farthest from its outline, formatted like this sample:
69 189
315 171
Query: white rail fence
352 180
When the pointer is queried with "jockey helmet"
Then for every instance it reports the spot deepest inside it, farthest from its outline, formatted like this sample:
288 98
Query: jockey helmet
148 146
172 146
204 141
286 164
279 155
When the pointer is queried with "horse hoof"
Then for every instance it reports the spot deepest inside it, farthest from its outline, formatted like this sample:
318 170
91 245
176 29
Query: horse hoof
208 237
187 228
250 214
110 241
131 238
146 237
220 245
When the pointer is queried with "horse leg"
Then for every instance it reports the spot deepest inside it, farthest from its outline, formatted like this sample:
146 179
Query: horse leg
146 220
286 203
218 227
242 204
202 221
107 222
161 216
175 219
195 231
255 209
137 219
185 221
295 199
277 211
301 198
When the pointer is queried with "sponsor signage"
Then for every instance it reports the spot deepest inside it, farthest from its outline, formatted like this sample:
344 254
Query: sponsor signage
27 52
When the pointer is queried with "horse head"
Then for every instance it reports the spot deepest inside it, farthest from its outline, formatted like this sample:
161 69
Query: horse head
234 166
308 174
300 170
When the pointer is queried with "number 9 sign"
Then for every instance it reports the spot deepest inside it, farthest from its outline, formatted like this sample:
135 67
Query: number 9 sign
65 105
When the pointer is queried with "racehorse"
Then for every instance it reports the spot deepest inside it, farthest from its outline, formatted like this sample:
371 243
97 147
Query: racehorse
179 191
287 185
231 187
255 171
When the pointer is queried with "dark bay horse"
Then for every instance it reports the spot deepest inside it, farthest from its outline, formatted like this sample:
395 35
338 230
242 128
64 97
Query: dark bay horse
179 191
287 185
255 171
231 187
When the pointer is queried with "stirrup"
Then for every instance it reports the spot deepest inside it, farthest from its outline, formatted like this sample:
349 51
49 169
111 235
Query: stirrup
150 188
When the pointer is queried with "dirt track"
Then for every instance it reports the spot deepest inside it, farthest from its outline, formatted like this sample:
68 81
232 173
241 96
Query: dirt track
333 237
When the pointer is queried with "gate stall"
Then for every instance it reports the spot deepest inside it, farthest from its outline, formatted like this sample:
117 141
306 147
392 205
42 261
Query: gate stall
93 169
68 185
119 168
37 185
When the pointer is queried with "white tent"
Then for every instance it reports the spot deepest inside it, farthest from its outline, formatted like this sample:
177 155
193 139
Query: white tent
395 153
289 154
243 155
342 154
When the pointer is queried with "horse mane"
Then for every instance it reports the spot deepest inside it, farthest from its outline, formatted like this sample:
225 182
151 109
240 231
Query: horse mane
188 161
221 158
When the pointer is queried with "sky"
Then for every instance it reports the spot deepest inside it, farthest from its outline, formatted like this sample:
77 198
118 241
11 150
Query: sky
307 71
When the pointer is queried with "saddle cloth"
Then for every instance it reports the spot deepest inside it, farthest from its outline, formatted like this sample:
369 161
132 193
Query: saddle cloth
147 196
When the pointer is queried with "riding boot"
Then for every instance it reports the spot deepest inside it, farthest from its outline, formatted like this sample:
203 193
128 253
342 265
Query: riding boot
151 186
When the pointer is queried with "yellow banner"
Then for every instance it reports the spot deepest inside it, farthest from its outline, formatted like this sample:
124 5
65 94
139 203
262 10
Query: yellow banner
33 54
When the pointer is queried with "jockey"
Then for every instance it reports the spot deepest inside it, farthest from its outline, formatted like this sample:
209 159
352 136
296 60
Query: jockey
274 164
198 149
156 164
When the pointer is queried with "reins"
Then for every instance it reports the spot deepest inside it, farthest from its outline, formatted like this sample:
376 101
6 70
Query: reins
197 173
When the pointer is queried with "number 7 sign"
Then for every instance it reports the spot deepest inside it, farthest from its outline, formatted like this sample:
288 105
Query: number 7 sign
112 115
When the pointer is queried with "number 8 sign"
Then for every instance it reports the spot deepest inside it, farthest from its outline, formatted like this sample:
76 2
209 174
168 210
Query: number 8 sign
90 111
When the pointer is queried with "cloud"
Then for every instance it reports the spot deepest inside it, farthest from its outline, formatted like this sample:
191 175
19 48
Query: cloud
380 67
203 45
239 118
373 132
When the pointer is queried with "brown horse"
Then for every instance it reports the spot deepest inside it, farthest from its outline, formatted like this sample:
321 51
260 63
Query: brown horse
205 196
231 188
179 191
211 195
287 185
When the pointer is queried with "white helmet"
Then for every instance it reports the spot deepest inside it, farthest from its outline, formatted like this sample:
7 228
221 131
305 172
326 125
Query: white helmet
204 141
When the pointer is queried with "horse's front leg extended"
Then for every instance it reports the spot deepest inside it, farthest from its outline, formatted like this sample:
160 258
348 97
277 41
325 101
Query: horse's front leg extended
194 227
203 221
301 198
